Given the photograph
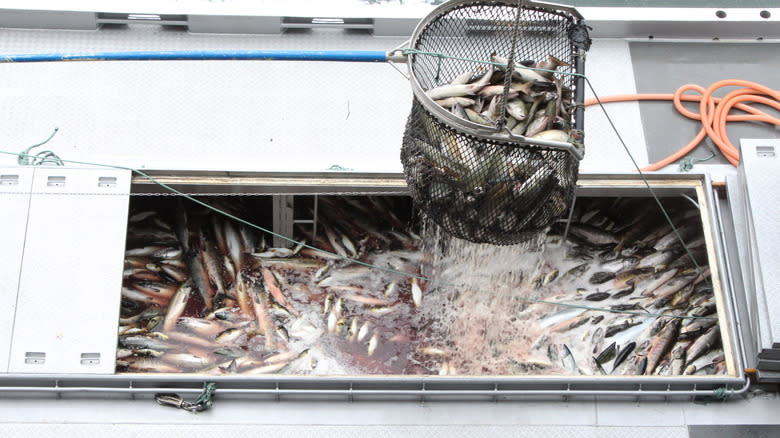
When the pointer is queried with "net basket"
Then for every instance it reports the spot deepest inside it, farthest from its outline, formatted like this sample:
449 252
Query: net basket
491 148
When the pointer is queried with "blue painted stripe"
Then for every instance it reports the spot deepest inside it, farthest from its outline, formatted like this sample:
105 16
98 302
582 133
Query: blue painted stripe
206 55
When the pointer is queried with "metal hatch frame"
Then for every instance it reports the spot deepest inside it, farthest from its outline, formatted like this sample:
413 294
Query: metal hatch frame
279 387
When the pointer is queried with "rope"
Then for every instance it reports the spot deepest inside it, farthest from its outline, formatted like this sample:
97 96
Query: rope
510 67
718 394
25 159
202 403
369 265
686 164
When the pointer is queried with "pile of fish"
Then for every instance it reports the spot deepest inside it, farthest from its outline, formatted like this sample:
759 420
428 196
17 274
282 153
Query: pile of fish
638 264
538 105
205 294
620 258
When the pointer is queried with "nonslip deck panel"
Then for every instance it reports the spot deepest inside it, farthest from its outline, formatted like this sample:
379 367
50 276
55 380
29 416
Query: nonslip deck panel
15 188
68 287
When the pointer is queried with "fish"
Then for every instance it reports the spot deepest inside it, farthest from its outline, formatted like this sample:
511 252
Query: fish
259 306
662 343
362 332
463 78
177 305
656 260
619 265
369 301
568 361
671 239
138 297
552 63
632 277
601 277
152 366
618 327
174 272
550 277
520 71
141 216
147 251
571 324
349 246
234 244
211 261
597 296
230 335
373 343
145 342
517 109
607 354
678 361
391 288
598 367
695 328
273 288
450 102
577 271
592 235
166 253
477 117
703 344
416 293
199 277
649 285
552 135
560 317
623 292
266 369
453 90
538 125
623 354
188 361
672 286
200 326
332 321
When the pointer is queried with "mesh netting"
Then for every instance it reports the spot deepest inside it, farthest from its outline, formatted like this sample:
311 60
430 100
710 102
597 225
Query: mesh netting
463 168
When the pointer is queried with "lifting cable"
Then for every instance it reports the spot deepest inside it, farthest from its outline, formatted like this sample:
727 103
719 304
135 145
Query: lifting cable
713 113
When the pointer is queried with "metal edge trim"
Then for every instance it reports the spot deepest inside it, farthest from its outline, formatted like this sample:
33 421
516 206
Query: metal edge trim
718 274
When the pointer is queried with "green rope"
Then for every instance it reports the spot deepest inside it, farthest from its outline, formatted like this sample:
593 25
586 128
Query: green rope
202 403
24 157
686 164
718 394
369 265
206 398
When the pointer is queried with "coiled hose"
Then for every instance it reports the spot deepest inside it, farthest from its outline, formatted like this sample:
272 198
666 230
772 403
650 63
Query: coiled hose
713 113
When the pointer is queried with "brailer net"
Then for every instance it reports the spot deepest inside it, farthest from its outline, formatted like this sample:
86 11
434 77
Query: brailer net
484 150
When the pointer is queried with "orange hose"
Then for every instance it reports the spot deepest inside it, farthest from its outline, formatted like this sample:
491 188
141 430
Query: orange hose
713 113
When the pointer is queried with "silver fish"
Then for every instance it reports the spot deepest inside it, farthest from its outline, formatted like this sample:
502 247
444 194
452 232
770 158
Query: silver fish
551 134
520 71
453 90
177 305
